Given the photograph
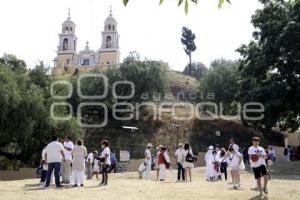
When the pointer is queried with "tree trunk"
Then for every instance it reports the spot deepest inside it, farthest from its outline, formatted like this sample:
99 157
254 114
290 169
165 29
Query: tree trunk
190 65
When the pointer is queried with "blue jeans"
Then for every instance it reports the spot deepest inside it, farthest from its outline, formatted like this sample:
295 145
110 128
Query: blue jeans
43 176
181 171
56 167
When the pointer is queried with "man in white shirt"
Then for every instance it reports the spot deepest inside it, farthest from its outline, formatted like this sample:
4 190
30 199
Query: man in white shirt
258 158
179 156
53 155
66 166
148 161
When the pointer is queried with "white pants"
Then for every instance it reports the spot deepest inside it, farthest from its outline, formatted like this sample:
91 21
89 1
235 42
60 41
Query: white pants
148 170
65 170
162 171
78 177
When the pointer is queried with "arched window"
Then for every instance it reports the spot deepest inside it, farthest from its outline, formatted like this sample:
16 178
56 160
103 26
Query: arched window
71 30
67 30
65 44
113 27
109 27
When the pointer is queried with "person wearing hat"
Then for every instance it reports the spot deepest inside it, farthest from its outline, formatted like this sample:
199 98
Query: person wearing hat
208 158
163 163
179 157
258 158
236 160
105 161
148 161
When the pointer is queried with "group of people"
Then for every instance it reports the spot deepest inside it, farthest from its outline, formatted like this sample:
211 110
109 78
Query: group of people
217 160
184 161
291 153
69 161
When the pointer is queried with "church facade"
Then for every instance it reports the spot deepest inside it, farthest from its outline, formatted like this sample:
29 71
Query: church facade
69 60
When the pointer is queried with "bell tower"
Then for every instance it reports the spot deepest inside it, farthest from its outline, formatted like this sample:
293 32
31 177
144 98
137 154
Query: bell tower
109 51
67 46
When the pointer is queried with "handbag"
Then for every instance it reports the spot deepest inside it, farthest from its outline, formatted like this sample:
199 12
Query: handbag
242 166
189 158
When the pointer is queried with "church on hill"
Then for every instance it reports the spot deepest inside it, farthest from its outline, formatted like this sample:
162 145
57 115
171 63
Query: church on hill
68 59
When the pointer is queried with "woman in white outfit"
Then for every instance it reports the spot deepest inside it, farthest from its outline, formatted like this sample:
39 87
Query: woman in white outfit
236 160
208 158
188 162
78 165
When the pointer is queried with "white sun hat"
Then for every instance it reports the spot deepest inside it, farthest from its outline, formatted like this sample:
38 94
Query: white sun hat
149 145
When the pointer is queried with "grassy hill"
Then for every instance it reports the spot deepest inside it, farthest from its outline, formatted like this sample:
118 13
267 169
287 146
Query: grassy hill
180 83
200 134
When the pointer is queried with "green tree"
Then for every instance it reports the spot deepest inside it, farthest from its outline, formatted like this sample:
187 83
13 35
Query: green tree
198 70
188 40
186 3
223 81
270 66
25 122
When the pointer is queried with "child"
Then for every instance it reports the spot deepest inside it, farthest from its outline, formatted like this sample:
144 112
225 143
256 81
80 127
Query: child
142 169
215 164
96 168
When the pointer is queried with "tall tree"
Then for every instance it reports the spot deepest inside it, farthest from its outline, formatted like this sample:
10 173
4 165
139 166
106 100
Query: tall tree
188 40
270 66
198 70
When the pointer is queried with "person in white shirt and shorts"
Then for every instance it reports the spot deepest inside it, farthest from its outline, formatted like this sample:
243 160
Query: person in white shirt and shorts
258 158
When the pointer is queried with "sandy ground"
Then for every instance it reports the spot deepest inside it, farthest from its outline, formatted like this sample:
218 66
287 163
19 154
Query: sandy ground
126 186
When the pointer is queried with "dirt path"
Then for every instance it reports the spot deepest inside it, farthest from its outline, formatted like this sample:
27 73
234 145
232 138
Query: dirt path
127 187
